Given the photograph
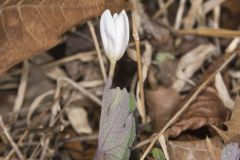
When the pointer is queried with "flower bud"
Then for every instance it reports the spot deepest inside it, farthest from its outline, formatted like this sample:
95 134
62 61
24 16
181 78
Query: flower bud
115 34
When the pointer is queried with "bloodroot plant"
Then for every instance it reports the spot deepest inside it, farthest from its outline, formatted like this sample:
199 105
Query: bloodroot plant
117 129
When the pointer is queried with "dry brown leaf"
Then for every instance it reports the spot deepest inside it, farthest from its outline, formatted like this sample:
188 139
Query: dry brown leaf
233 132
190 63
29 27
162 104
191 150
223 92
78 119
214 152
207 109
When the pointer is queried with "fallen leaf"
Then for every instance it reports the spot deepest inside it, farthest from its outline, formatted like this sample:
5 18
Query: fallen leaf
191 150
162 104
78 119
207 109
233 132
223 92
213 151
190 63
31 27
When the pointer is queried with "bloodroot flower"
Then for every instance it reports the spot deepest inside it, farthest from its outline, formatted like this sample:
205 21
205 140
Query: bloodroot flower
115 36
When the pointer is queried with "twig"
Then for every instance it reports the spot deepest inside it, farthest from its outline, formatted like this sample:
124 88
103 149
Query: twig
210 32
190 100
20 141
211 4
93 33
178 19
9 138
22 87
83 56
45 147
163 9
81 89
139 63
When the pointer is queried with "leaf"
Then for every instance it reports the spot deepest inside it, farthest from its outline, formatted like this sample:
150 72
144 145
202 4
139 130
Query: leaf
191 150
161 105
233 132
207 109
190 63
158 154
213 151
29 27
223 92
231 152
78 119
117 125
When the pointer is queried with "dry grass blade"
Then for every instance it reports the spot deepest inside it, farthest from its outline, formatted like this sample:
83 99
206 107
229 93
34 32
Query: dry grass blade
22 87
211 4
20 141
35 104
210 32
9 138
162 10
162 141
180 11
93 33
226 59
80 88
140 72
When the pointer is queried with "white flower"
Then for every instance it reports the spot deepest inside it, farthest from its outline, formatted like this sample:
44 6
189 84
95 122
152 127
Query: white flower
115 34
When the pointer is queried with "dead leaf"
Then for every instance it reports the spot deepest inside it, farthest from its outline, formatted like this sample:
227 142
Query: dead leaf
31 27
223 92
233 132
192 150
213 151
78 119
207 109
162 104
190 63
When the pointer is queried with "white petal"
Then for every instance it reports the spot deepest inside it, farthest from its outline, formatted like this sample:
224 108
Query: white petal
108 32
126 22
119 50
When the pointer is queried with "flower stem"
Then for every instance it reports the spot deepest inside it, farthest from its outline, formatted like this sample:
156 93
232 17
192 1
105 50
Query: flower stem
112 68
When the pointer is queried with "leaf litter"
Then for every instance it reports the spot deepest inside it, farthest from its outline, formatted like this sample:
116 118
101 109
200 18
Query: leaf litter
50 104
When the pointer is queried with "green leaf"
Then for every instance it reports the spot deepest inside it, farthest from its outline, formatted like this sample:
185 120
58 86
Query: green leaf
161 57
158 154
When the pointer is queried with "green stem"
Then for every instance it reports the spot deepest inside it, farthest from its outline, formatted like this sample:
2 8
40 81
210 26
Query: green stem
112 68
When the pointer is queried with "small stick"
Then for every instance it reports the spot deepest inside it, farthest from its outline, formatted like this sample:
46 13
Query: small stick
9 138
210 32
81 89
178 19
93 33
139 63
45 147
20 141
187 104
163 9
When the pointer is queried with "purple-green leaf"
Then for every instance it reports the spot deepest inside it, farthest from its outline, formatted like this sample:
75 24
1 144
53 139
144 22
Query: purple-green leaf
117 124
